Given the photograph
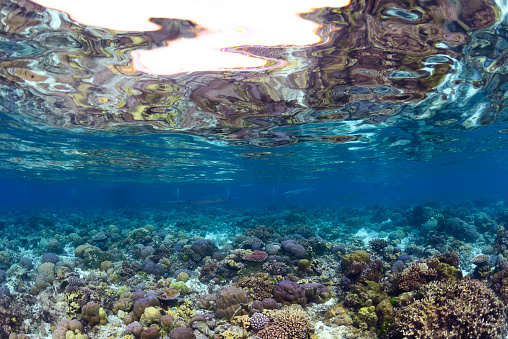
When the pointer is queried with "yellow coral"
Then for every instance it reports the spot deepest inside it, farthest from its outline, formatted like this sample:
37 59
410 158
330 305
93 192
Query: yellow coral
242 320
231 263
103 316
355 256
185 310
336 310
232 335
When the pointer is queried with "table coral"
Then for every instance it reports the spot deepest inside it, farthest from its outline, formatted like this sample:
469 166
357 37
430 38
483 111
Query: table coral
256 256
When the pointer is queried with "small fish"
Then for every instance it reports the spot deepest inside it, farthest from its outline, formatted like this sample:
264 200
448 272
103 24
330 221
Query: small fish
298 191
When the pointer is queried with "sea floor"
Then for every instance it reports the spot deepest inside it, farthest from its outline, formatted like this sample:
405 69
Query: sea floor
222 271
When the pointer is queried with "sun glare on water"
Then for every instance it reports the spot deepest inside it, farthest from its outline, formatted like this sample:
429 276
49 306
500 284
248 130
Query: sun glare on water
224 24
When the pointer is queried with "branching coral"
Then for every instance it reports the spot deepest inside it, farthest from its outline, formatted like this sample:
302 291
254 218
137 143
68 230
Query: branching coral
500 283
273 332
451 309
377 245
261 231
260 285
294 321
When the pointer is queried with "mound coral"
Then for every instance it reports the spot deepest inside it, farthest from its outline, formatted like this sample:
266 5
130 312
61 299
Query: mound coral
451 309
294 248
229 300
258 321
91 313
203 247
289 292
182 333
348 259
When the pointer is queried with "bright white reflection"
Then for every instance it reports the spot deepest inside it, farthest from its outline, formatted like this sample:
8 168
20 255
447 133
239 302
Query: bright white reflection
228 23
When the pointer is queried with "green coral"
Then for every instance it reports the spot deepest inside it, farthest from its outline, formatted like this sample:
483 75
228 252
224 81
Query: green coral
124 304
121 290
358 255
182 276
181 286
140 236
303 265
384 310
448 272
150 316
93 257
103 316
366 317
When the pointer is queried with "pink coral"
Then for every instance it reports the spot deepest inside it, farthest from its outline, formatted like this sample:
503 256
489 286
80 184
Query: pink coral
257 256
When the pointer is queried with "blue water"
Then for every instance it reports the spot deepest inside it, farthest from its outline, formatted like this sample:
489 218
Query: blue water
393 129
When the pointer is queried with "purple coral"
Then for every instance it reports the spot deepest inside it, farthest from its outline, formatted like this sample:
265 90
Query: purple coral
258 321
256 256
135 329
289 292
317 293
146 251
50 257
203 247
294 248
182 333
151 268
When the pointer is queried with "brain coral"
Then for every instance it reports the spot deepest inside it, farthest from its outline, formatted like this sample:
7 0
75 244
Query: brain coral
229 300
451 309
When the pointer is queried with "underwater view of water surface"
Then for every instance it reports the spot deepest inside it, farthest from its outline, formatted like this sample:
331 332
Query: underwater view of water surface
223 169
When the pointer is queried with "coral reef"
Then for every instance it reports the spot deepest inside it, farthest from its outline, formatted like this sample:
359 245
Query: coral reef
270 275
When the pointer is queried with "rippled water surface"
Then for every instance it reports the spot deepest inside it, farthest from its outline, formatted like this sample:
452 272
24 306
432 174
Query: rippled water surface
388 81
